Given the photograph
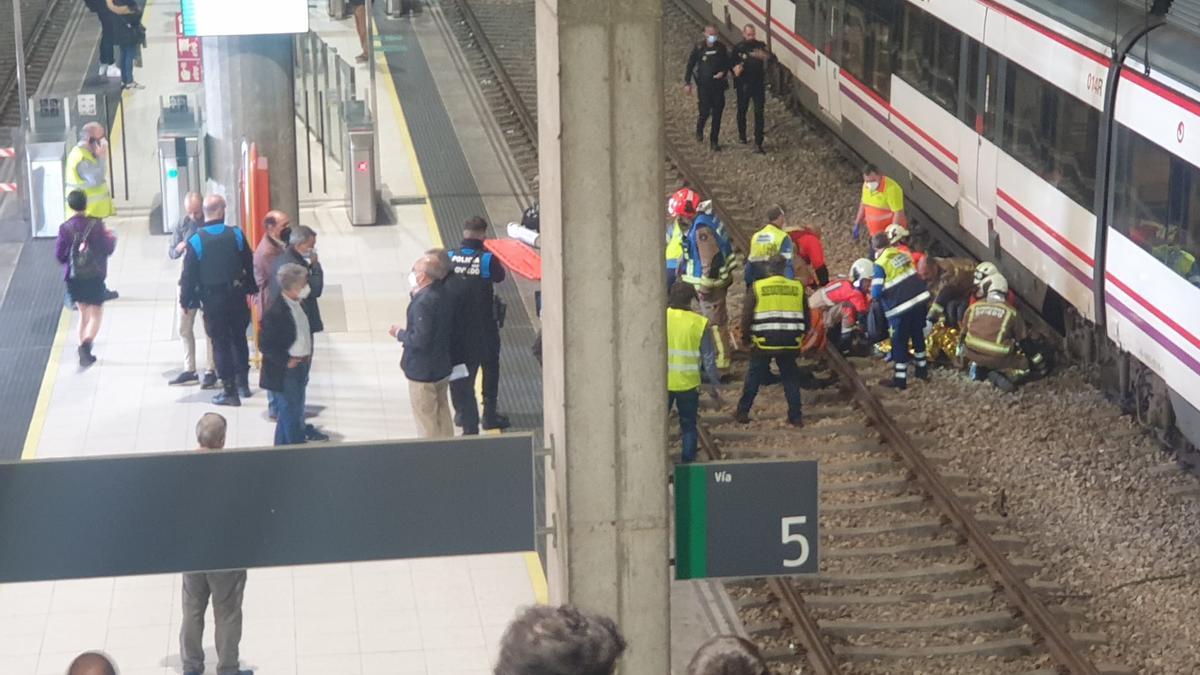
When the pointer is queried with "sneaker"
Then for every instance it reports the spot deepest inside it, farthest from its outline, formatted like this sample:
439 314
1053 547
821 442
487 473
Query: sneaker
184 378
1001 382
311 433
113 71
227 398
741 417
209 381
133 85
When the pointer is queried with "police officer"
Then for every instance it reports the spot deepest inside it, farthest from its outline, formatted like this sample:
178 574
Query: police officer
477 328
905 299
749 71
775 322
709 64
218 272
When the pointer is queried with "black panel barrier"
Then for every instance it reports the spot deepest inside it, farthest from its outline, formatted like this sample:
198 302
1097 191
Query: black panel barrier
229 509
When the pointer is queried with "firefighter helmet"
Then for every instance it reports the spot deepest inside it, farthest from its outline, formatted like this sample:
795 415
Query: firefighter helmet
984 270
861 269
993 284
895 233
684 203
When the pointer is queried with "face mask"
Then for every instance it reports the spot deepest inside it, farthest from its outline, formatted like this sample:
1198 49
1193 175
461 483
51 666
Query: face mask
710 39
412 281
305 292
873 185
307 255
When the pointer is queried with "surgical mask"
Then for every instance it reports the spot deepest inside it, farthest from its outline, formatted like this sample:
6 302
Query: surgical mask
873 185
412 281
307 255
305 292
710 39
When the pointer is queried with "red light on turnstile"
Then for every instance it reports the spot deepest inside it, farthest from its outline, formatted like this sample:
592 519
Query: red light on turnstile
362 167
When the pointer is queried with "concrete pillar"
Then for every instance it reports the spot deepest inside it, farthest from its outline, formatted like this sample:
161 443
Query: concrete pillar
600 124
248 93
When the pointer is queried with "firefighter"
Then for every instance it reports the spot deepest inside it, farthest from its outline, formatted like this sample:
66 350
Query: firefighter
951 282
905 298
690 350
707 265
681 208
844 303
882 203
770 241
898 236
774 318
995 343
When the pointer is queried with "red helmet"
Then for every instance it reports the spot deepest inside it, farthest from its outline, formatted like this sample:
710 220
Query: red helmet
685 202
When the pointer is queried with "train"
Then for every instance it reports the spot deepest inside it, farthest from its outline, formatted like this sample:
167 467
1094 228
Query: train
1059 139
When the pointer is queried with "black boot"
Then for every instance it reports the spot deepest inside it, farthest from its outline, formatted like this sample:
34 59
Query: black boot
243 385
228 397
492 419
85 355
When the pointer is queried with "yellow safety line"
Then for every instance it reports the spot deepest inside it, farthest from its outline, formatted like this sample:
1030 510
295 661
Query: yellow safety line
33 437
537 577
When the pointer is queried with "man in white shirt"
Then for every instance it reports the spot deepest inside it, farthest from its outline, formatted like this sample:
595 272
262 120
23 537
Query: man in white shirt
286 343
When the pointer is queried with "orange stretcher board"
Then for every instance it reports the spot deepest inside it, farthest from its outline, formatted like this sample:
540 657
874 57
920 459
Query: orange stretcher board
517 257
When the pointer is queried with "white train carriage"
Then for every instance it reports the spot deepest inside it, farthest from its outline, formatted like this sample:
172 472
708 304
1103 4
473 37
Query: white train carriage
1059 138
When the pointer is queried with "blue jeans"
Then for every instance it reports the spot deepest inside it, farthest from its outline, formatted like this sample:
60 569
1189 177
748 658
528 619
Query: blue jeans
688 405
128 54
759 373
289 426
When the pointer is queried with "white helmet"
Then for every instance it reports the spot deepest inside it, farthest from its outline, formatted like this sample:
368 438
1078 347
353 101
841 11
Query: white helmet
861 269
984 270
993 284
895 233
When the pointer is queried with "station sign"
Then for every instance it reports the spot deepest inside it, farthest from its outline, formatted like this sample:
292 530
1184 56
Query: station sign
746 519
189 54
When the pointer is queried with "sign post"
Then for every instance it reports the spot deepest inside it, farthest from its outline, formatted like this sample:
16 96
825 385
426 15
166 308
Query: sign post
188 53
746 519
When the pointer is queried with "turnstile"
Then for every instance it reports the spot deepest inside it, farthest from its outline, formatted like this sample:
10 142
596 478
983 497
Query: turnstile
180 144
337 9
47 141
360 164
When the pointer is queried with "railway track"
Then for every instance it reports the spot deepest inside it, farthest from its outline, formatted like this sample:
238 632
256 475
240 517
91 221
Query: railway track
917 575
44 24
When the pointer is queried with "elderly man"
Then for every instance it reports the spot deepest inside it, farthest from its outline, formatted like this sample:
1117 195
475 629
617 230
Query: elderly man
192 220
276 230
426 339
85 170
218 273
287 346
226 589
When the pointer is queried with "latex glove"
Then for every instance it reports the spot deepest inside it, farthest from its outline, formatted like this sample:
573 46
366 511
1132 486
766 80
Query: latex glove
857 231
928 328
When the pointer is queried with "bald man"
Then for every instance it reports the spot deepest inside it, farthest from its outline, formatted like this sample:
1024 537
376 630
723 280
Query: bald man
192 220
277 227
92 663
426 339
85 170
218 273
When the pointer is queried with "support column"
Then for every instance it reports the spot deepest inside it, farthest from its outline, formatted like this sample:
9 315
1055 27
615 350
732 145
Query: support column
249 93
600 123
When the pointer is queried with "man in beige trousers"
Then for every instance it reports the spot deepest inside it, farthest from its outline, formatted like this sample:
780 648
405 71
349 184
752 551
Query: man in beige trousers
426 339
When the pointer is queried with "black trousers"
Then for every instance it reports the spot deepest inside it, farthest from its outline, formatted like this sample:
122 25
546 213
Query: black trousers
107 41
226 320
711 101
747 94
462 391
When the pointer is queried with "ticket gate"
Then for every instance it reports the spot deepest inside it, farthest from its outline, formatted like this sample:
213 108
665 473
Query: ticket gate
180 145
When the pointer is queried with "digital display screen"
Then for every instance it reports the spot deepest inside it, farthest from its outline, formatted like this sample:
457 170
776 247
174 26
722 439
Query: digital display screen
244 17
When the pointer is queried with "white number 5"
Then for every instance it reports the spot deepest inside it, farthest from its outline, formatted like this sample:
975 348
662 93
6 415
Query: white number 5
790 537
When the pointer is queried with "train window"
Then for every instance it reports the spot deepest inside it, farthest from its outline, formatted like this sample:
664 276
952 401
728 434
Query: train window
929 57
867 43
1052 133
806 18
1156 203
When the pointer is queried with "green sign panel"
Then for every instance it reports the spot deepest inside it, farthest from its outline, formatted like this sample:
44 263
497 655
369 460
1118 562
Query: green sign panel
746 519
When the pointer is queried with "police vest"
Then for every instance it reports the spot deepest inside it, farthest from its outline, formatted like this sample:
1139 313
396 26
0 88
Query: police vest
674 244
989 328
472 264
99 201
902 288
880 207
218 249
778 314
767 242
685 332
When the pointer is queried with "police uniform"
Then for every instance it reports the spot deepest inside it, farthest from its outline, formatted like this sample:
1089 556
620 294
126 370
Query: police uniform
751 87
218 273
775 320
689 345
905 298
706 62
768 242
477 333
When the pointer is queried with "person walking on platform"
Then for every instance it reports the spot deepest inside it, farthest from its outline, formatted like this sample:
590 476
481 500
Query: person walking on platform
187 226
882 204
85 171
905 299
749 71
774 318
427 338
108 64
359 9
477 322
709 65
771 240
276 229
84 245
996 344
287 348
707 265
218 272
690 346
226 589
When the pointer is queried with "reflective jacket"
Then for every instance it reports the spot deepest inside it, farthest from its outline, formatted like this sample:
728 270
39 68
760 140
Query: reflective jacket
90 180
685 334
991 332
882 206
768 242
708 257
674 244
777 322
896 283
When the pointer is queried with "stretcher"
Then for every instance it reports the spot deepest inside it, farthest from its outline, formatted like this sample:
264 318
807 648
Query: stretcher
517 257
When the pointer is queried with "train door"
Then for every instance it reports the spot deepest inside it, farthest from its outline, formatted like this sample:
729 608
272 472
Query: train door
978 153
828 26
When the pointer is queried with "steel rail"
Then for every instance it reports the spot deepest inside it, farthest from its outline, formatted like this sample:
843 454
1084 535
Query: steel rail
520 107
8 88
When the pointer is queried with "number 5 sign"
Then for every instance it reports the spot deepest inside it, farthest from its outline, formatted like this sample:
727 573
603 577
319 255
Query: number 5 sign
746 519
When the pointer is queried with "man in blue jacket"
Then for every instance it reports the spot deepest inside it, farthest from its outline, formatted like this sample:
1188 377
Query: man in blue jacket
426 339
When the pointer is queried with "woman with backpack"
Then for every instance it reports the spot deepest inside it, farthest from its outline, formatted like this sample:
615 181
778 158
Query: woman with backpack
84 245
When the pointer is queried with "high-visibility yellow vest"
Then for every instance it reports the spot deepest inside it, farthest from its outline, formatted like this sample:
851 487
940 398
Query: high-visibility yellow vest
674 242
778 314
767 242
903 289
99 200
880 207
685 332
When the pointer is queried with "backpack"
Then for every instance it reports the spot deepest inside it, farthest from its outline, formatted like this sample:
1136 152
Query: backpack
86 263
